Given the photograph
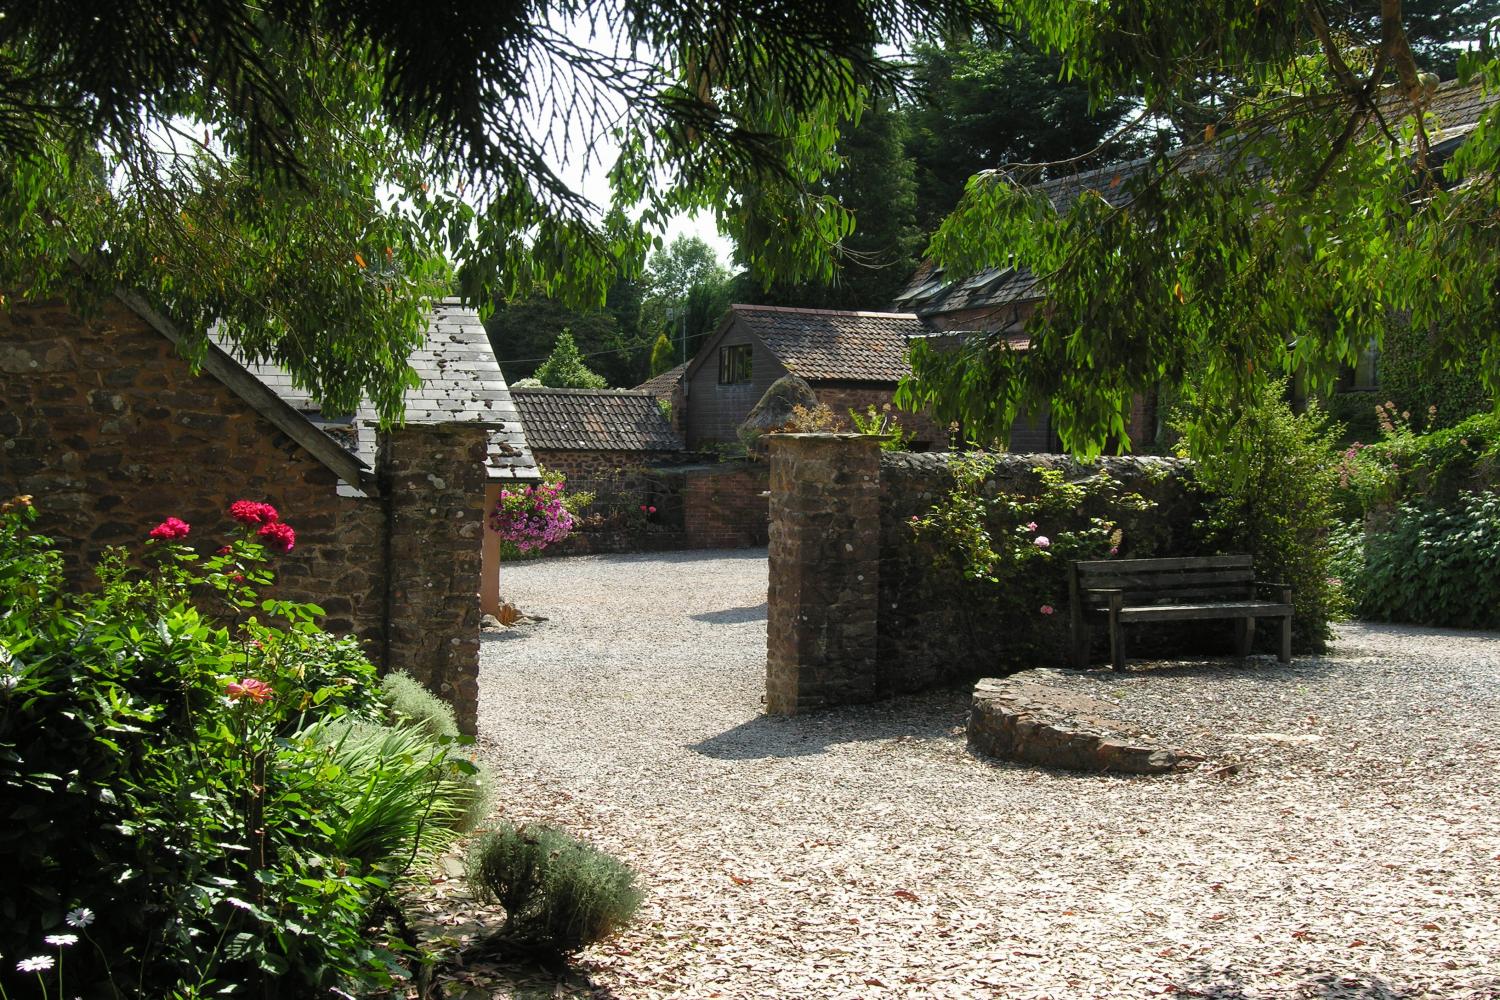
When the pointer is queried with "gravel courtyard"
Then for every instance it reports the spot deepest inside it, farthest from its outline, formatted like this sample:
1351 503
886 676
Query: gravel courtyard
1343 842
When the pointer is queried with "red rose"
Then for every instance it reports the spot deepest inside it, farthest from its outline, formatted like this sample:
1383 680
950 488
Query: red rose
278 534
249 512
170 530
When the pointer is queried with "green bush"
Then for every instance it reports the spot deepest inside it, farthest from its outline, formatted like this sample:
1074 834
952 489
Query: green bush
1269 478
559 894
171 796
1433 565
1406 465
408 701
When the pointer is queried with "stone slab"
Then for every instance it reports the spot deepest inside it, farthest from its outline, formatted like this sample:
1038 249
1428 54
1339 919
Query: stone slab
1033 718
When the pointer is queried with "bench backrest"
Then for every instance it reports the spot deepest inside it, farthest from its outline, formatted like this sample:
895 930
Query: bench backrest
1165 581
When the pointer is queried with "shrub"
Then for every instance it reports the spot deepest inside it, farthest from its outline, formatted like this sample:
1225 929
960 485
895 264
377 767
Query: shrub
533 517
1433 565
1270 477
559 894
1408 465
408 701
163 770
883 423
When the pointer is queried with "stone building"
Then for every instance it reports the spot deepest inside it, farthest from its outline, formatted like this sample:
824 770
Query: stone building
108 427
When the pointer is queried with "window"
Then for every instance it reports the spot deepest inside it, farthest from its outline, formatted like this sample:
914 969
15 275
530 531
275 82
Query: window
734 364
1364 374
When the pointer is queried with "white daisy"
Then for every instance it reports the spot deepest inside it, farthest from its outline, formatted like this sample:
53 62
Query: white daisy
61 940
81 917
37 963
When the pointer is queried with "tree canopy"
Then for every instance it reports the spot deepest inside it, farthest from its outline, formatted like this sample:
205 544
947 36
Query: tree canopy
304 173
564 368
1322 197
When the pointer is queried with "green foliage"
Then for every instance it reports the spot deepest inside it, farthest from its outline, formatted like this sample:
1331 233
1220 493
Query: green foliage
1281 240
1014 548
300 175
409 703
662 358
1429 565
1415 377
1270 478
165 761
874 182
980 104
1406 465
881 422
564 368
523 332
559 894
687 292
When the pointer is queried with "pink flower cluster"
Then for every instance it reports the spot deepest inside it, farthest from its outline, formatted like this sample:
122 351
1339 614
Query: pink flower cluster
251 513
257 691
273 531
531 518
170 530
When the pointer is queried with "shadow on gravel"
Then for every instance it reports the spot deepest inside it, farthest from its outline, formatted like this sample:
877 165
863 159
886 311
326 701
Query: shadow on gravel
1226 985
733 616
929 716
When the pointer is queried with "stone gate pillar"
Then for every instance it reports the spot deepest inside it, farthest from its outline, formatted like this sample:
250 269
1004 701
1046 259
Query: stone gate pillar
435 481
824 563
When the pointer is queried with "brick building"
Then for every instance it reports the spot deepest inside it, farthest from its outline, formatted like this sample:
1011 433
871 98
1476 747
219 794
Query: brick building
109 428
588 434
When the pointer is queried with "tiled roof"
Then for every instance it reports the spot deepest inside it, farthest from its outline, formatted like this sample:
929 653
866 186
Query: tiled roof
1455 110
461 382
594 420
832 345
662 386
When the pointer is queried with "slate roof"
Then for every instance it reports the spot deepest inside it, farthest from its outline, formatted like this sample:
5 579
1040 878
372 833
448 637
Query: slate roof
1455 110
662 386
594 420
830 345
461 383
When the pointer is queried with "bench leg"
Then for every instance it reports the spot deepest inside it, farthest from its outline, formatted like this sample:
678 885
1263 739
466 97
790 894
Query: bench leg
1116 635
1245 636
1286 640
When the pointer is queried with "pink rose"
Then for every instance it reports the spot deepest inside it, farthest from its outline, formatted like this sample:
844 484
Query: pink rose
1031 526
278 534
1042 542
1048 609
249 512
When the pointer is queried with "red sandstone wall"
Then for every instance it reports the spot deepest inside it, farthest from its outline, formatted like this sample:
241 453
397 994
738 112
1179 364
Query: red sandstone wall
725 507
592 464
109 429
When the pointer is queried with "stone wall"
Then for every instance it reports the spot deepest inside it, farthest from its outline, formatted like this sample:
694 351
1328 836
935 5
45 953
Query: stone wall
933 627
106 425
824 568
845 561
711 506
436 525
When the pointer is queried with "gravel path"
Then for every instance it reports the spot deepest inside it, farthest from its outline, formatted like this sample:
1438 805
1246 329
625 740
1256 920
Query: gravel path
1352 850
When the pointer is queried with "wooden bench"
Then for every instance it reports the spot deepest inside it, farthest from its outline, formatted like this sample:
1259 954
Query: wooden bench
1171 590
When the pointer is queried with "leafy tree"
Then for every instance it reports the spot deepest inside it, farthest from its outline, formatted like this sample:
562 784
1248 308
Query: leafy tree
564 368
303 173
874 183
662 358
979 104
1321 200
524 333
687 291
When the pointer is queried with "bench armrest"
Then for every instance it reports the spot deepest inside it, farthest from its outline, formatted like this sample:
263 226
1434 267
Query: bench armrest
1100 590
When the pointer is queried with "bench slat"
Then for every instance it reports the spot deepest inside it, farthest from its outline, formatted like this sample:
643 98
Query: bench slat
1171 578
1176 562
1184 612
1170 595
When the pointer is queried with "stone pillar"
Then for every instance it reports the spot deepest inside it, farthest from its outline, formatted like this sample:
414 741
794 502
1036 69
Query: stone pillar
434 479
825 561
